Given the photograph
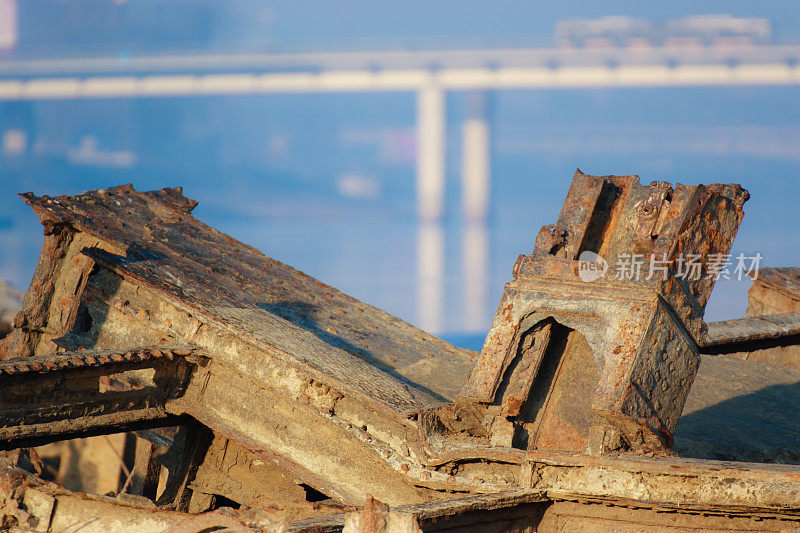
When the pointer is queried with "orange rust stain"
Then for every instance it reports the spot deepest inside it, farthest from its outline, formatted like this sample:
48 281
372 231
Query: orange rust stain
513 404
561 437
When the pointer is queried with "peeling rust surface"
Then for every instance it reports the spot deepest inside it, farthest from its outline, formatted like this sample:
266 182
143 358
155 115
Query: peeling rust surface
643 328
299 402
89 358
160 244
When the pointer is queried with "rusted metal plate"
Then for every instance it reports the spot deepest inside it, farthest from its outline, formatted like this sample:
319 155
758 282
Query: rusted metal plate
151 237
566 424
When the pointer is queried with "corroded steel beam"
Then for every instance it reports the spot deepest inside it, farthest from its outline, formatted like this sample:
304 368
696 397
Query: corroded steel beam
576 361
53 397
752 329
770 331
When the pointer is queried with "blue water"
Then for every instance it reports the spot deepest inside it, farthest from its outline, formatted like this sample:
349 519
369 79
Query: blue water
326 182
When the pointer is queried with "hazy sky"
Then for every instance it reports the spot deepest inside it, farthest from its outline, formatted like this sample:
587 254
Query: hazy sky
505 18
112 26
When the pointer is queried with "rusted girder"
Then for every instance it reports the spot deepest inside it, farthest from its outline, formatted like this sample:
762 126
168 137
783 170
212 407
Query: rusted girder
752 329
54 397
594 344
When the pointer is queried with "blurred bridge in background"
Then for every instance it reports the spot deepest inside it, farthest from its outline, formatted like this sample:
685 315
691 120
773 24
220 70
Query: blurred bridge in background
612 52
429 73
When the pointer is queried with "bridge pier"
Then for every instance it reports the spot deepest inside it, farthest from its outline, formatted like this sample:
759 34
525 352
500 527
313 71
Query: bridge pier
475 261
475 158
430 275
475 191
430 151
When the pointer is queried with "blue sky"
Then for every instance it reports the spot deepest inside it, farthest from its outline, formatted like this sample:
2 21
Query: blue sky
134 25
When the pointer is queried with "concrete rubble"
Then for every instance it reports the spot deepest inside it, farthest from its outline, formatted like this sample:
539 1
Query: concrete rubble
246 395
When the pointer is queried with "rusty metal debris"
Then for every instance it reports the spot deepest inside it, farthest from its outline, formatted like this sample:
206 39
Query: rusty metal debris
774 290
257 398
770 331
612 360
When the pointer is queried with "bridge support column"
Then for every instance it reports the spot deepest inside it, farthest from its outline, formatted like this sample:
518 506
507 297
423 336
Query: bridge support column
430 275
475 158
475 260
430 152
475 192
